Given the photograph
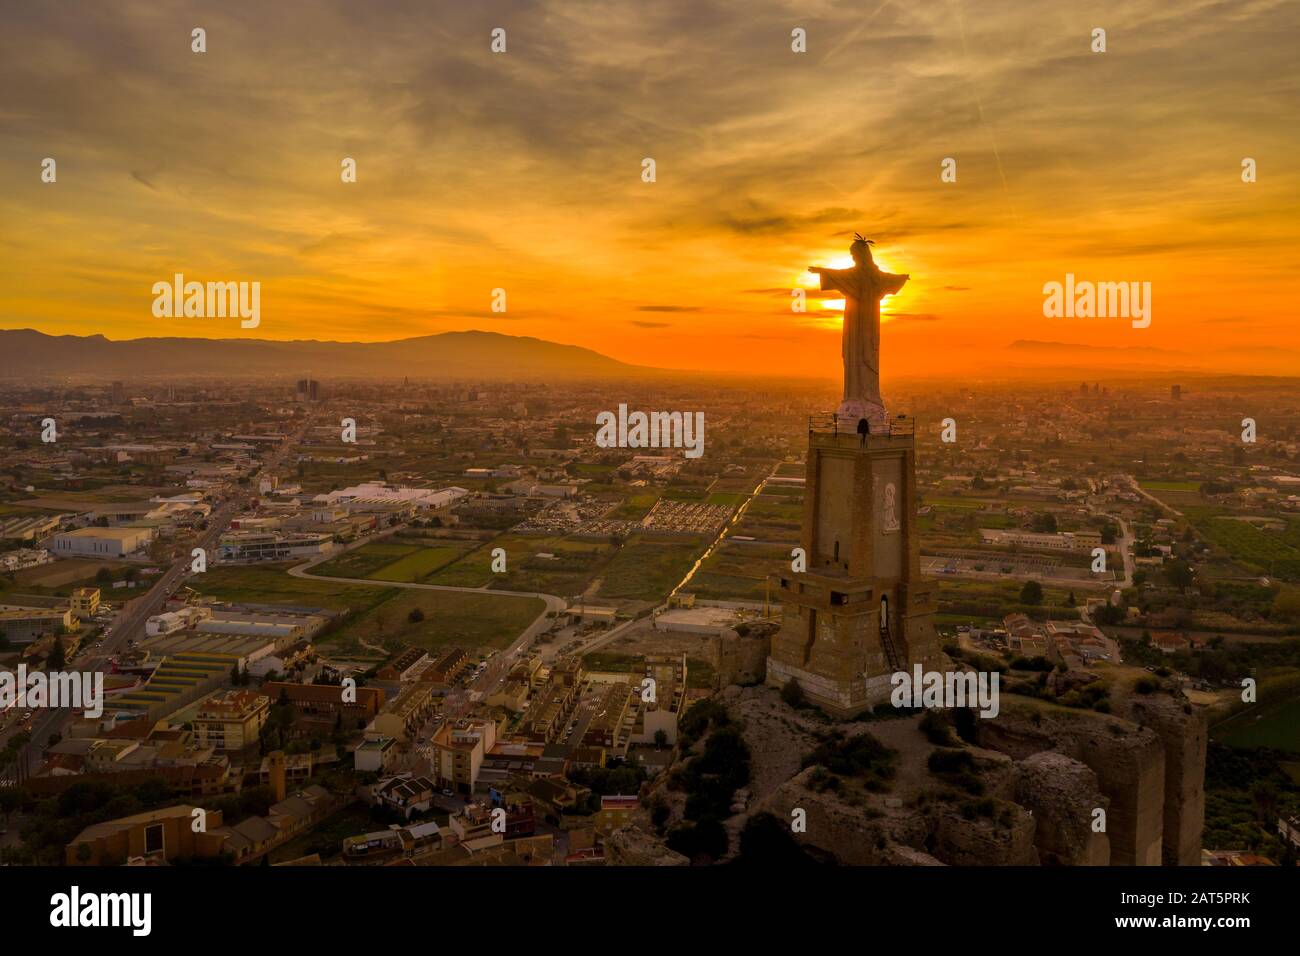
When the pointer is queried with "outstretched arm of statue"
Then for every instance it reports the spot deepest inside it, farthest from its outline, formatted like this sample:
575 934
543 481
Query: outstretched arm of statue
844 281
889 283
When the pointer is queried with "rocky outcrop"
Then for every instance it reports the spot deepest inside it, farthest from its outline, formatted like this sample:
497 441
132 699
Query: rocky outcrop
1129 763
862 836
1062 794
778 736
632 846
1003 837
1025 791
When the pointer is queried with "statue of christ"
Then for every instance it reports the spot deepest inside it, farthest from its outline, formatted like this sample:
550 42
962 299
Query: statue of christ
863 287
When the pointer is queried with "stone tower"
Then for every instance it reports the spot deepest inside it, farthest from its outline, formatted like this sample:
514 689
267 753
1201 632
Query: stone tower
861 610
278 773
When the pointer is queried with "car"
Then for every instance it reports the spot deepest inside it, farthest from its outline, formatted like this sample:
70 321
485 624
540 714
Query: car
448 792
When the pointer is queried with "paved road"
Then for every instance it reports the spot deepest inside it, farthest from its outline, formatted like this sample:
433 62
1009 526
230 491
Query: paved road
130 620
458 700
1152 498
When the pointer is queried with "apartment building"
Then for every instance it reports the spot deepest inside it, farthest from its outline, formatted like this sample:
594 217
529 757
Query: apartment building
26 625
403 718
324 702
84 602
459 748
231 720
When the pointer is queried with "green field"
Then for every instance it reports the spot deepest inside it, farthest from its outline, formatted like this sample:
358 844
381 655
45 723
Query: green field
364 561
1270 551
62 577
575 563
1169 485
1277 727
737 571
635 507
420 564
771 519
269 584
649 566
964 503
456 618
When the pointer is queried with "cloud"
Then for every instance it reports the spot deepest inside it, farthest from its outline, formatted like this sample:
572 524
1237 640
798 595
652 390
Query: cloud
522 170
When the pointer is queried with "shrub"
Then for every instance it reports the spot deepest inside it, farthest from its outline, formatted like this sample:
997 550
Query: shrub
705 838
937 730
1146 685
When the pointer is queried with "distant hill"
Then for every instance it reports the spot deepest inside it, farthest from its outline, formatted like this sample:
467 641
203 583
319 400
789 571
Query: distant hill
26 354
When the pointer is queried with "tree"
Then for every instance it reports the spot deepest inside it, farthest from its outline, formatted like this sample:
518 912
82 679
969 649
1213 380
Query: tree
1045 522
56 660
1031 593
661 738
1264 795
1108 614
9 801
1180 575
416 615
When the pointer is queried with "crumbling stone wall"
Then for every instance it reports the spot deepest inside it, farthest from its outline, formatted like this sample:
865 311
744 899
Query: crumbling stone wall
741 659
1129 762
1062 794
1183 734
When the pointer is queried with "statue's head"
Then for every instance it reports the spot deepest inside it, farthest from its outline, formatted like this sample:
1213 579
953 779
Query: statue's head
861 249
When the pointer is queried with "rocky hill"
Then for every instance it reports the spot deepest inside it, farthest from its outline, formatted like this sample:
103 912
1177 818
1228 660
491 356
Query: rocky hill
1039 784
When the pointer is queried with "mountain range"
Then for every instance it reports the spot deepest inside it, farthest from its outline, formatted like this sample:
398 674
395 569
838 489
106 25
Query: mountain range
33 356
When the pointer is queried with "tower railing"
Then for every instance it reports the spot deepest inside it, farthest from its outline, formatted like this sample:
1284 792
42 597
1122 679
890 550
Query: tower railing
830 423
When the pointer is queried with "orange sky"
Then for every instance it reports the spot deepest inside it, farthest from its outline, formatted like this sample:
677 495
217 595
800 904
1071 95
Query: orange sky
523 171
